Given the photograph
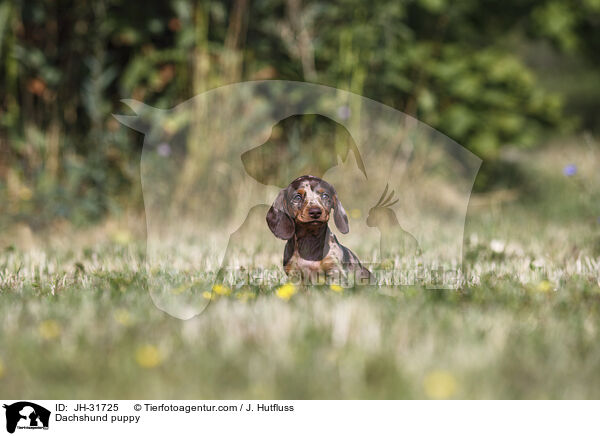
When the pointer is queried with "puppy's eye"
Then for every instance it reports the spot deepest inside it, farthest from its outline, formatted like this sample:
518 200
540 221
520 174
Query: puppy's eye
297 198
325 196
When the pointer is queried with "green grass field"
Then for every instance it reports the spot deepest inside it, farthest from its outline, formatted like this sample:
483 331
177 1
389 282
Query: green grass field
77 321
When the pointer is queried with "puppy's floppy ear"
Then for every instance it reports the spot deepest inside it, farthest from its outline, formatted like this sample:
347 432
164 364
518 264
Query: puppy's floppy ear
340 217
280 223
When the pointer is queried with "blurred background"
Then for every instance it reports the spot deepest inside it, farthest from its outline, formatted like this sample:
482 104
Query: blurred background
492 76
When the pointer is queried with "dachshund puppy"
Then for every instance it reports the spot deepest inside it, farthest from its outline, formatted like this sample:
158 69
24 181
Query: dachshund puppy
300 215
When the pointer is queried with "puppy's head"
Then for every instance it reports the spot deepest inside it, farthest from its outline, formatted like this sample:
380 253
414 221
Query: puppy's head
307 201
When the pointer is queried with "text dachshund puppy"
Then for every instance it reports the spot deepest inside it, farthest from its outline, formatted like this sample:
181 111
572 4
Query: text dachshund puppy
300 215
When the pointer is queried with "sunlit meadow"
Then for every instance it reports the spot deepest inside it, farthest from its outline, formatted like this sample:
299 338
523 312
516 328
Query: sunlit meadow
76 320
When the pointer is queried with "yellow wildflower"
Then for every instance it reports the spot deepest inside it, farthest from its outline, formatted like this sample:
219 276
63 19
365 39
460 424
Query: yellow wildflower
207 295
286 291
221 289
123 317
49 329
122 237
439 385
544 286
336 288
355 214
148 356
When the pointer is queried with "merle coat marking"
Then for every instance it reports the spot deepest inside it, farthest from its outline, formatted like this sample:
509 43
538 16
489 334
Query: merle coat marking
300 215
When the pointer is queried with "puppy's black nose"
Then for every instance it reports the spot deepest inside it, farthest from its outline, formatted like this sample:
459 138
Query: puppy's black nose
314 212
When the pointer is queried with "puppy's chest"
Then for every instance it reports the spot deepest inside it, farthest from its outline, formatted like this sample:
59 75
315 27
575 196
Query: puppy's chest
329 261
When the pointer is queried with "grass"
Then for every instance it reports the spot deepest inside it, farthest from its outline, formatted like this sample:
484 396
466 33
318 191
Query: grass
77 321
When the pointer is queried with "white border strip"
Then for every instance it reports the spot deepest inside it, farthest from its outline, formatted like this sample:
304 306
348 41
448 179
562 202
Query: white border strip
316 417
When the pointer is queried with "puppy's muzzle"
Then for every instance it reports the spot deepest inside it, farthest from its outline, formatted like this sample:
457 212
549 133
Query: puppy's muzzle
315 212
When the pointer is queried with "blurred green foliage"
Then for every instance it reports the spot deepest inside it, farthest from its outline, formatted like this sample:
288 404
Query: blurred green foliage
461 67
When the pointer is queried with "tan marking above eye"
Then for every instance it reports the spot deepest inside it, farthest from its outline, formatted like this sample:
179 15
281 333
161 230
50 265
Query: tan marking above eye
301 193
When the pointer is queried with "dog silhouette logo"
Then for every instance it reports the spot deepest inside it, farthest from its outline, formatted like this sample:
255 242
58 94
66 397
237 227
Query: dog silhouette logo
26 415
211 167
